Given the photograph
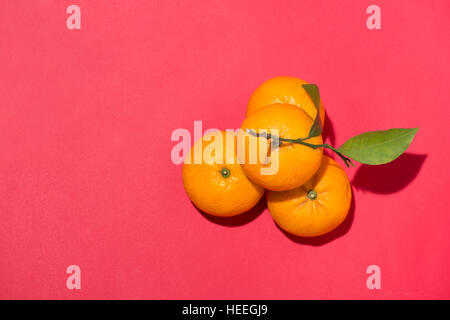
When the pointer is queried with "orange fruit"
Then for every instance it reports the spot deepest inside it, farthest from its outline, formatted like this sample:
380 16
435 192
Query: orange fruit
284 90
286 166
217 184
315 208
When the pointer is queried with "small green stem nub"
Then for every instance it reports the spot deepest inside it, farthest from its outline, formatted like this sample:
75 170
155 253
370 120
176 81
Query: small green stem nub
225 172
279 140
312 195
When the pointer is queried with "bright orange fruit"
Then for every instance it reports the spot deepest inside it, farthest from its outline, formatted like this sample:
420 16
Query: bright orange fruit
284 90
315 208
295 163
218 185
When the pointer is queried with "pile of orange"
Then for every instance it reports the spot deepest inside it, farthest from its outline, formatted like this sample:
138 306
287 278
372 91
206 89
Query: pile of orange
308 194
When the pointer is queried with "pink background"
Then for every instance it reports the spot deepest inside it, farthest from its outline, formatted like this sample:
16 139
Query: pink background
85 171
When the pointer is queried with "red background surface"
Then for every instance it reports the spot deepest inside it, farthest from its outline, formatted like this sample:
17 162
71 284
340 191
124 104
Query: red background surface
86 118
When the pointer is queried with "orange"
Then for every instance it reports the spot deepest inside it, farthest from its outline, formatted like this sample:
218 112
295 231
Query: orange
315 208
284 90
286 166
217 185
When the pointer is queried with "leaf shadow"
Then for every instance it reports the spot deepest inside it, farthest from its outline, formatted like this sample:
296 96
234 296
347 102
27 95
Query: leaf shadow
240 219
328 134
390 177
340 231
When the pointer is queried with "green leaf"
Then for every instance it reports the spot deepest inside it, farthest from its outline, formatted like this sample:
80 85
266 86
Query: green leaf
313 92
378 147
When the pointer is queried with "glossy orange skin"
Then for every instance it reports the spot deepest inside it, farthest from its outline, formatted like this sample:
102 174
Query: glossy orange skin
295 213
284 90
213 193
297 163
